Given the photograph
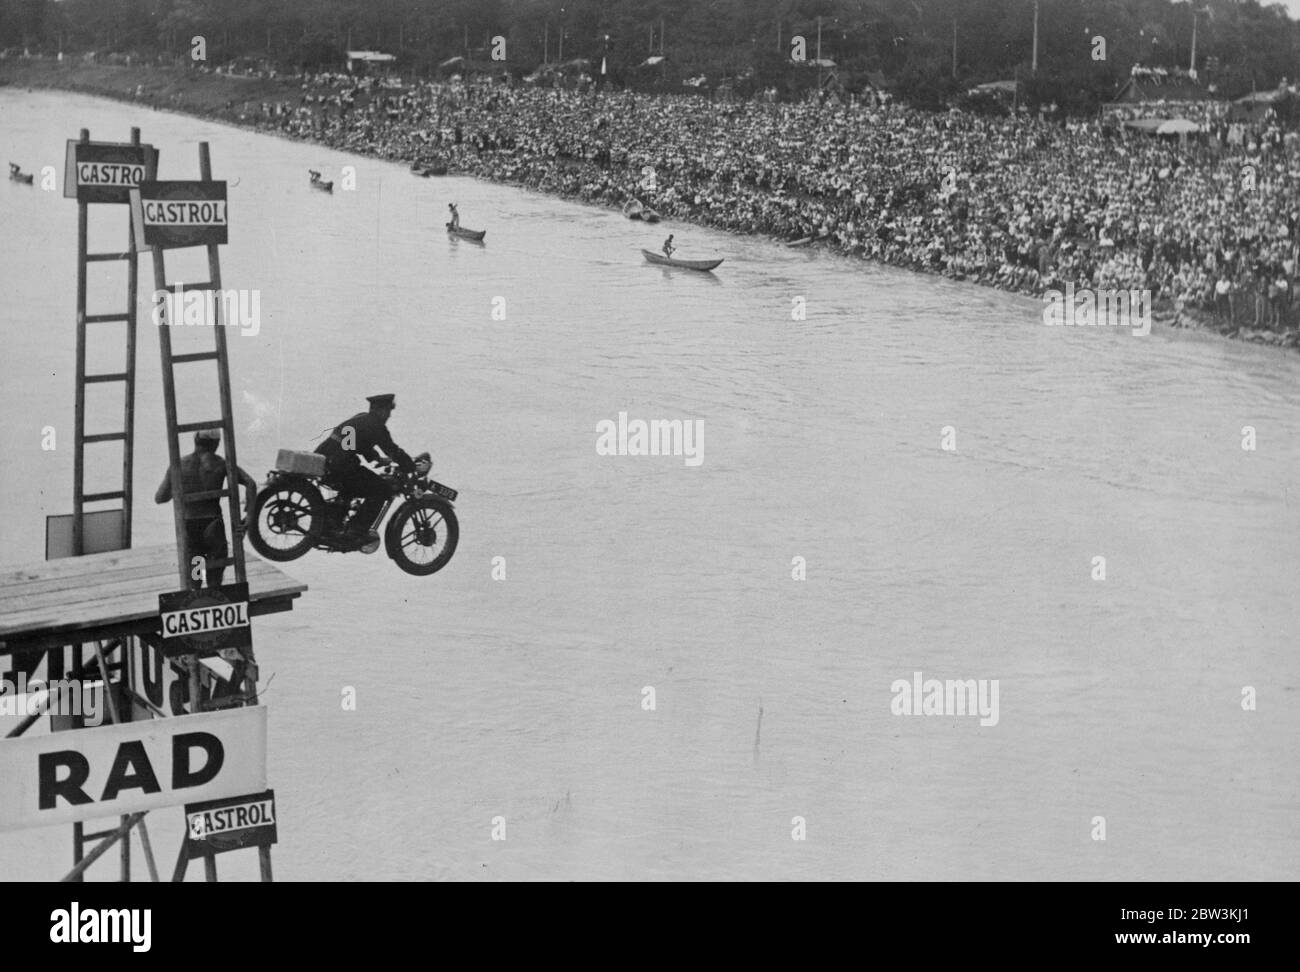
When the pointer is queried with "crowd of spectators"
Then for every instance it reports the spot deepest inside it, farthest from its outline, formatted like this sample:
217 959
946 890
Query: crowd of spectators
1016 202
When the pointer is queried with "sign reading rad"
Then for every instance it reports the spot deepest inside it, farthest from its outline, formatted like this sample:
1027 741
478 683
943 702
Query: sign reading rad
176 214
131 766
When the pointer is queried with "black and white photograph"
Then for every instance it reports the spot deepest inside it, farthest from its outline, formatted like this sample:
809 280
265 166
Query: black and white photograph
651 441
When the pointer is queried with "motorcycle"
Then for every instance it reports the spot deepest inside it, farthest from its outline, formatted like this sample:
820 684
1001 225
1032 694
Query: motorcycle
298 509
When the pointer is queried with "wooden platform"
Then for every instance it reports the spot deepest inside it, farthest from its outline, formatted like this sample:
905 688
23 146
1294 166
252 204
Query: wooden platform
59 602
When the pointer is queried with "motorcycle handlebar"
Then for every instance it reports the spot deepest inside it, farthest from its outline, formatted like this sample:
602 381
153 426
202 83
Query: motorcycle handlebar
391 470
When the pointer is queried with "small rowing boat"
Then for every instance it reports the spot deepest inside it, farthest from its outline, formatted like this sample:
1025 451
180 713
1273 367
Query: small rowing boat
16 175
427 169
475 236
806 240
662 261
649 216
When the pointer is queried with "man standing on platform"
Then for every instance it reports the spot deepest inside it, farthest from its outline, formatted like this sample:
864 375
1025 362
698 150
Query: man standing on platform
205 530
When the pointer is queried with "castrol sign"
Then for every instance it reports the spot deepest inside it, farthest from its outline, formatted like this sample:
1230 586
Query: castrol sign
222 825
176 214
106 172
206 621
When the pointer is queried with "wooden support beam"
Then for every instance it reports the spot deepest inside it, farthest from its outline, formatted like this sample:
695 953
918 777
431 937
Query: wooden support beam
80 868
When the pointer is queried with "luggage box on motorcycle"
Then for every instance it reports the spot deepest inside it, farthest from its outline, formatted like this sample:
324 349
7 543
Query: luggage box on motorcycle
300 463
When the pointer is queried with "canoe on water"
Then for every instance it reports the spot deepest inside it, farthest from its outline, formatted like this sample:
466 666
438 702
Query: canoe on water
809 239
467 234
322 186
662 261
24 177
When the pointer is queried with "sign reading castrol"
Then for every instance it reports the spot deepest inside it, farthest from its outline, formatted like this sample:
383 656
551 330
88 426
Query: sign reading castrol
175 214
92 774
105 172
224 825
203 622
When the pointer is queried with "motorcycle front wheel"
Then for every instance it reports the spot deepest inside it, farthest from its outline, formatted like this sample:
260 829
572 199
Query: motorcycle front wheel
286 520
422 536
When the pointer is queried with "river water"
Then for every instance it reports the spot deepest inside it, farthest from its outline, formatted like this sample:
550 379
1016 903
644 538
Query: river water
523 697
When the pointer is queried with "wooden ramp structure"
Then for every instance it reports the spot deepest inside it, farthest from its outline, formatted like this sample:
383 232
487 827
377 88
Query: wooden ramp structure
93 612
99 597
51 612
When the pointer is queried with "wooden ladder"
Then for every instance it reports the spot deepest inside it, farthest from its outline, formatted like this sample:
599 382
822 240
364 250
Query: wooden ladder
245 674
125 378
226 423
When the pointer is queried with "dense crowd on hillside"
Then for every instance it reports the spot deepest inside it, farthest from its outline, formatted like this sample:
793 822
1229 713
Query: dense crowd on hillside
1012 202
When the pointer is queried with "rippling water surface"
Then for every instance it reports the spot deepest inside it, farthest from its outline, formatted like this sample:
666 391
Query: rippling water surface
522 698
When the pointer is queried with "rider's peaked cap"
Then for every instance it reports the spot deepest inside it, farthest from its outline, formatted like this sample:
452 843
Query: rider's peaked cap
382 401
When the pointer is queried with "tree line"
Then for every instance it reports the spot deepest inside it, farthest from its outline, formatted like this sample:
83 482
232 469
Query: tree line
926 50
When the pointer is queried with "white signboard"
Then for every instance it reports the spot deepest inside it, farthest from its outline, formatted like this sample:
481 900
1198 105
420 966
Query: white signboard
115 769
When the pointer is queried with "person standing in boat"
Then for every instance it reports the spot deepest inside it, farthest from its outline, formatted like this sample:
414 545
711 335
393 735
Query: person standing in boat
669 249
455 215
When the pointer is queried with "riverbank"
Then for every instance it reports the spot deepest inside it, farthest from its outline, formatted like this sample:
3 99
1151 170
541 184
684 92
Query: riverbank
192 92
254 102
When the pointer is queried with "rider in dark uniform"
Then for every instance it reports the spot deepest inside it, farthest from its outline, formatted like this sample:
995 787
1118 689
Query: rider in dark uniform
357 438
203 470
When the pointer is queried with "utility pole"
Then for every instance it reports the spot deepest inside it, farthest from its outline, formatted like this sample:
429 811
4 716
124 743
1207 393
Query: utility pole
1195 16
1035 67
561 56
819 54
954 47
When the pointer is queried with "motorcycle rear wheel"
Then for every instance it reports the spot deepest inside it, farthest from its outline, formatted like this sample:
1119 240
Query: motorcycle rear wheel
294 515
